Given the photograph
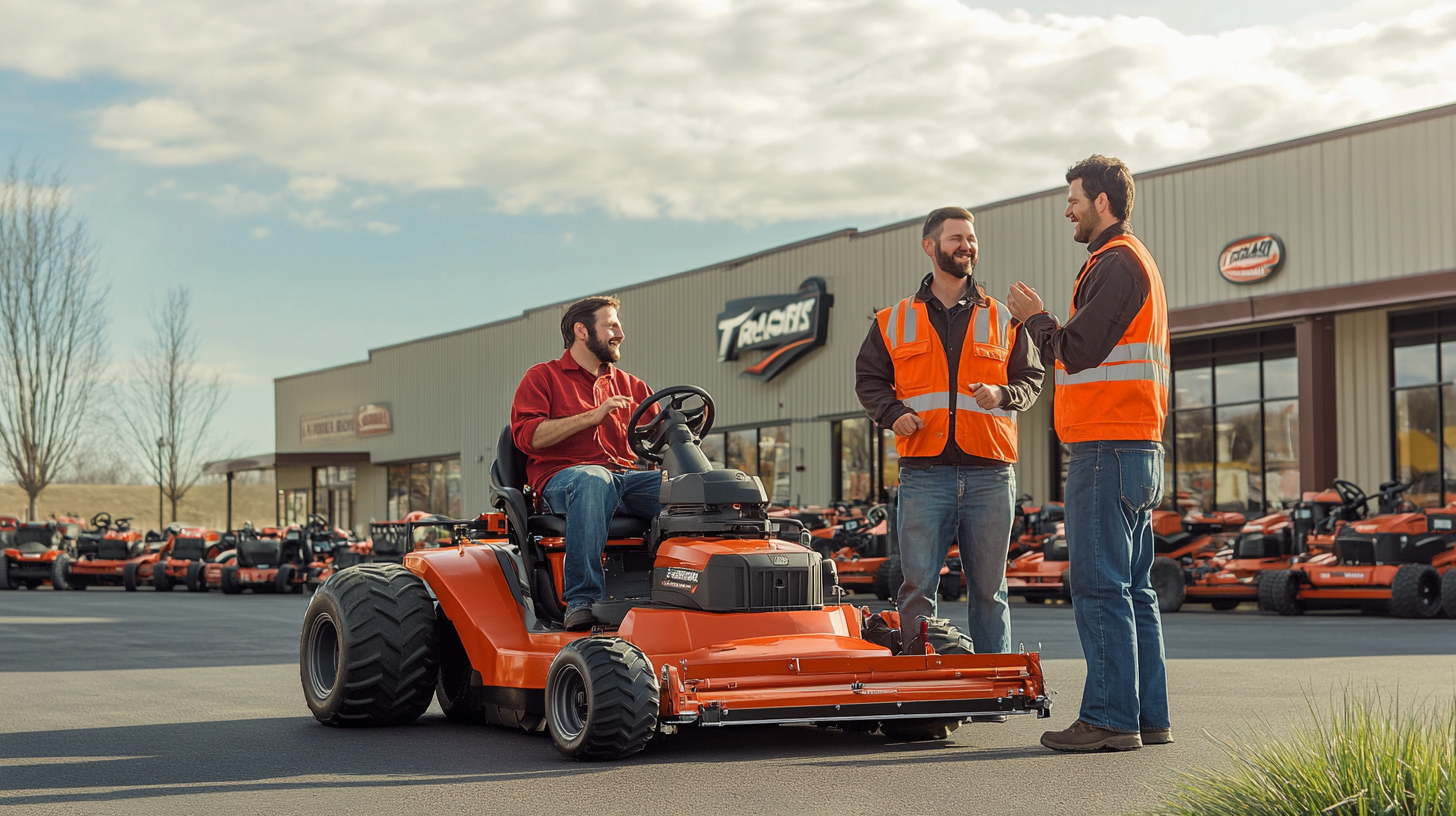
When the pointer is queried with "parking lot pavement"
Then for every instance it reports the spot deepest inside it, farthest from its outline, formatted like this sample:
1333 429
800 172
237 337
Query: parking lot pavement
161 704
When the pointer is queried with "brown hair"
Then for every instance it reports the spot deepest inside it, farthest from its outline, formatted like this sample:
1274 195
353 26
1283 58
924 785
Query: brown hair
940 216
584 311
1101 174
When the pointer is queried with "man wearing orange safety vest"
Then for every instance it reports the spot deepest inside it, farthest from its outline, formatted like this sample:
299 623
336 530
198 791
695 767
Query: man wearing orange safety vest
948 370
1111 401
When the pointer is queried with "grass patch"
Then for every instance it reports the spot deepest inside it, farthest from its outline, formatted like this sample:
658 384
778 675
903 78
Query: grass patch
1368 755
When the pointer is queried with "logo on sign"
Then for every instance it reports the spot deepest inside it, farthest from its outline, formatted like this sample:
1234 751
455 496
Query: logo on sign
372 420
786 326
1250 260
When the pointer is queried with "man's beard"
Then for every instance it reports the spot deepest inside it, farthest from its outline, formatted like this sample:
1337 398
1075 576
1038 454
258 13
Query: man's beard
1086 223
604 351
951 265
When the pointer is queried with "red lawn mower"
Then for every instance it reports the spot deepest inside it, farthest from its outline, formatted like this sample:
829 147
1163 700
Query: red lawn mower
111 553
183 557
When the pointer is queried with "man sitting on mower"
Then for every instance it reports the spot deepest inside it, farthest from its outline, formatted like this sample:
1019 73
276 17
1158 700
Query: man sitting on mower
570 419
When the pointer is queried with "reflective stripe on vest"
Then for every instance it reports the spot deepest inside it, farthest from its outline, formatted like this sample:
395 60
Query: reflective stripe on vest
1123 372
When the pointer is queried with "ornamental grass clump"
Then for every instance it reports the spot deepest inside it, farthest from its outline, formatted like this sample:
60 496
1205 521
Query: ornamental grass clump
1368 755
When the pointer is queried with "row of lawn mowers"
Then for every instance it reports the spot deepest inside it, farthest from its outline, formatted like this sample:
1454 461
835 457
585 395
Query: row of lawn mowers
67 554
1326 551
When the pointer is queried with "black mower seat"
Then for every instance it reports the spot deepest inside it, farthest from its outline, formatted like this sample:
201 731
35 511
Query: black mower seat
254 551
111 549
620 526
508 483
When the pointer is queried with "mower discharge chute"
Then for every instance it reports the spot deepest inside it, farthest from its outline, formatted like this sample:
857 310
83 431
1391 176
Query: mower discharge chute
709 620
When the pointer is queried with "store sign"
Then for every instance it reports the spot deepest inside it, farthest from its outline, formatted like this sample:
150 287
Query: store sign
336 426
1252 259
373 420
786 326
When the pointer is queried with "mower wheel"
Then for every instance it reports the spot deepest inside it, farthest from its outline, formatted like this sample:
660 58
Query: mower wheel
1448 592
918 730
950 586
1415 592
453 688
161 581
1167 579
1279 592
1225 604
948 640
195 581
1066 593
888 578
368 653
601 699
229 581
59 568
5 574
283 580
1035 599
129 577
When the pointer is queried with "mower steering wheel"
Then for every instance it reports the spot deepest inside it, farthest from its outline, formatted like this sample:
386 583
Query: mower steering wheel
1352 497
877 514
101 520
699 419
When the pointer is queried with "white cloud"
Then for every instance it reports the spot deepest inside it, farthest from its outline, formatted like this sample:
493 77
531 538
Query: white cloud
230 199
261 232
382 228
371 200
759 110
317 219
314 188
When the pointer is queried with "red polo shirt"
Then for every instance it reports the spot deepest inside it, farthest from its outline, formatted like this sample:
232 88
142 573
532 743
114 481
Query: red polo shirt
561 389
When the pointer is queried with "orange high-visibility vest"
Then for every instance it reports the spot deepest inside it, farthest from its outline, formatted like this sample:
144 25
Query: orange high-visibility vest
1126 397
922 379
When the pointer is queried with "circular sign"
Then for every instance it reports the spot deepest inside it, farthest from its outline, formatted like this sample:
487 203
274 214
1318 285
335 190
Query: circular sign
1252 259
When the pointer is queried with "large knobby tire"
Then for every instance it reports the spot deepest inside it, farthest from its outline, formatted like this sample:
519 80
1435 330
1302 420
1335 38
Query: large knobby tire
129 576
283 580
196 581
888 578
1448 592
60 568
5 574
453 688
1279 593
918 730
1066 594
601 699
229 581
1167 579
161 581
946 639
950 586
1415 592
368 654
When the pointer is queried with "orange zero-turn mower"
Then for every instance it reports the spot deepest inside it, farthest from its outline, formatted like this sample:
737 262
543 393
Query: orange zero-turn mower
709 621
860 547
111 553
1394 562
1230 576
266 561
1036 579
29 550
1179 544
183 557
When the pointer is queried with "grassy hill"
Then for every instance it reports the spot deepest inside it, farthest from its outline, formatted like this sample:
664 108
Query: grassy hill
205 504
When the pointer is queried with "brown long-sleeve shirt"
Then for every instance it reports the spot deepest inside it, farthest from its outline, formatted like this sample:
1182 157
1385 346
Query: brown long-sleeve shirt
874 373
1107 301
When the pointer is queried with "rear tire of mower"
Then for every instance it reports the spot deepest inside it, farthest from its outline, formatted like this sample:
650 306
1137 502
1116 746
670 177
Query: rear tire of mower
129 577
1448 592
918 730
1168 583
5 574
1279 593
229 581
59 568
601 699
888 578
950 586
1225 604
283 579
1415 592
161 581
368 653
195 581
452 690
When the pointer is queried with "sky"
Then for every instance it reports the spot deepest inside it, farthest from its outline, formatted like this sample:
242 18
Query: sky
330 176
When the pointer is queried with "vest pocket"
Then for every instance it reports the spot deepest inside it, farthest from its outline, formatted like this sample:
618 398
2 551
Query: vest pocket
993 352
912 349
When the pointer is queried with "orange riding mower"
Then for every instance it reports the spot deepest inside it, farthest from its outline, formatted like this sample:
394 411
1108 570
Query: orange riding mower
714 615
111 553
27 550
183 557
1030 530
263 559
331 550
1398 562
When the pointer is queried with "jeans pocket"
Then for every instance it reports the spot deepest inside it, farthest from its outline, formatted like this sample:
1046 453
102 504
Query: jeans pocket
1140 473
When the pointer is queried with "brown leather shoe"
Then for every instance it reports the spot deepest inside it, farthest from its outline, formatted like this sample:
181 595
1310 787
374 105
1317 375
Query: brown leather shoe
1082 737
1157 736
579 619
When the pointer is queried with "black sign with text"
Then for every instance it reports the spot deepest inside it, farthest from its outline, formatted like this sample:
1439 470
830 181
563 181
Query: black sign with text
787 326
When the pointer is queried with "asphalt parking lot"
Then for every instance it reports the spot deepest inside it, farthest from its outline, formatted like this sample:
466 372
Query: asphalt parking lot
176 703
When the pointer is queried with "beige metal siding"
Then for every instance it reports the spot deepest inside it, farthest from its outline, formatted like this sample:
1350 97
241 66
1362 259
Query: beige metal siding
1362 380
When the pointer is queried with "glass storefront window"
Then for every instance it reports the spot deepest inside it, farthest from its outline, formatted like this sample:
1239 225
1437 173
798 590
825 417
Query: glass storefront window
1193 387
430 487
1417 442
889 462
1240 480
743 451
1237 382
774 462
1423 404
1281 378
397 492
1415 365
856 459
1281 451
1193 455
292 506
454 501
712 445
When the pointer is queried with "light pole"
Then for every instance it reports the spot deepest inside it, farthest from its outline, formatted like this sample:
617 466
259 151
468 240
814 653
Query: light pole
161 443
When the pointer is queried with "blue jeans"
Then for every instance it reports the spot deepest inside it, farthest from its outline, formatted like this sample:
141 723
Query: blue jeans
937 507
1112 488
589 495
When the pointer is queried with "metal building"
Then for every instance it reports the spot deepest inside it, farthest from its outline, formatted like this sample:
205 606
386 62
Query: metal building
1326 359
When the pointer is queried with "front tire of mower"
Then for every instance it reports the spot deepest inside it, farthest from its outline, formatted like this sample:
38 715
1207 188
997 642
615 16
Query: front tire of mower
229 581
161 581
453 688
129 577
195 581
1415 592
1167 580
1448 592
950 586
283 579
59 568
601 699
1279 593
918 730
888 578
5 574
368 655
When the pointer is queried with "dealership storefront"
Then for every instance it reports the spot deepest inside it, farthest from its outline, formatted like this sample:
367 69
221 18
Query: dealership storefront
1312 293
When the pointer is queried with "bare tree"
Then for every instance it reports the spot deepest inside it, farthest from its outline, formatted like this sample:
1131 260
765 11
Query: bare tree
52 328
167 405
